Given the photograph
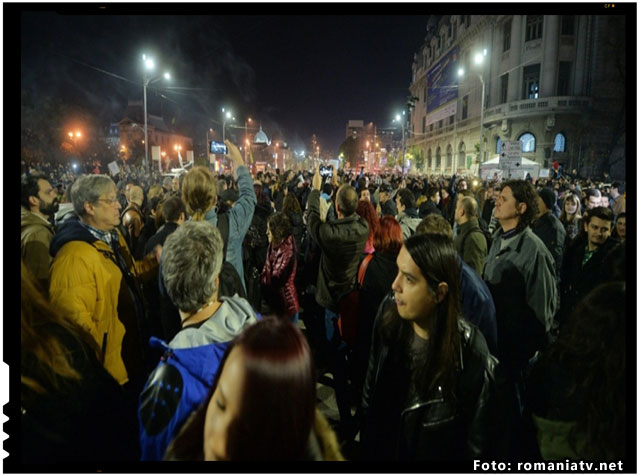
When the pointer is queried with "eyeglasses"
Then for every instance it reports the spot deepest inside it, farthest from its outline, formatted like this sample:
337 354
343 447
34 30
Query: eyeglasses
110 201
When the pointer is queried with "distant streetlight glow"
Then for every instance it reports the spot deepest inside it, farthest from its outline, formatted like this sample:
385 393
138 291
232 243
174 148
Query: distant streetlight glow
167 76
149 64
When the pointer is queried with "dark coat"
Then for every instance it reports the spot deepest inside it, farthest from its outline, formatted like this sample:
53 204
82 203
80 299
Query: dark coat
86 420
471 244
342 242
550 230
298 228
433 427
577 280
160 236
277 277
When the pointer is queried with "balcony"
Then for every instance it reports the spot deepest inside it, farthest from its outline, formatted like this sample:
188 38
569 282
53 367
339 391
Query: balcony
540 106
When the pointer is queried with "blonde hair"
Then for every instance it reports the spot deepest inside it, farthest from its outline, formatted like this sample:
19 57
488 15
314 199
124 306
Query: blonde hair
199 192
154 191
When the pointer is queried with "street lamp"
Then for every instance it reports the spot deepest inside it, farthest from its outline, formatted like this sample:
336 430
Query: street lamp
148 66
227 116
404 148
478 59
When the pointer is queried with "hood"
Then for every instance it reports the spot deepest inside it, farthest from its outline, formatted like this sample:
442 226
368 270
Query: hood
64 210
230 319
29 218
70 230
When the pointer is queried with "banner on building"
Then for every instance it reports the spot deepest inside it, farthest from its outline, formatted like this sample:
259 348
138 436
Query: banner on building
442 81
189 156
442 113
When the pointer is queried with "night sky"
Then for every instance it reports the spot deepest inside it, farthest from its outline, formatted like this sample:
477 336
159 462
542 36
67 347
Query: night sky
298 75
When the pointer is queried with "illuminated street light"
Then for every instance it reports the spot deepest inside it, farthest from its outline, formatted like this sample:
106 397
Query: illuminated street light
227 116
398 119
478 60
149 66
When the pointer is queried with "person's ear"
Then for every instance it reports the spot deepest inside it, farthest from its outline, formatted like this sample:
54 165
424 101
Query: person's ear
522 207
88 208
33 200
441 291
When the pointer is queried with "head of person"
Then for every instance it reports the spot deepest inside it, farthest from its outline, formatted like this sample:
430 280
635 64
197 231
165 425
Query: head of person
154 191
191 263
462 185
592 348
174 210
436 224
517 205
621 226
199 192
261 197
604 200
327 189
598 225
136 195
346 201
388 236
593 198
385 192
466 209
571 208
95 201
433 194
546 200
278 228
365 210
364 194
405 199
291 204
38 195
427 296
265 385
616 189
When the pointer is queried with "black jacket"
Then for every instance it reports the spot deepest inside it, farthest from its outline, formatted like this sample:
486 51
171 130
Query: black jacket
434 427
577 280
550 230
428 207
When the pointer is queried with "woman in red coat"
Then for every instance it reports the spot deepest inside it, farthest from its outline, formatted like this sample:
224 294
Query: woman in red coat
279 269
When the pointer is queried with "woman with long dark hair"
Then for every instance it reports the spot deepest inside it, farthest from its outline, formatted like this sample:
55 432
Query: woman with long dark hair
261 405
429 390
72 409
577 390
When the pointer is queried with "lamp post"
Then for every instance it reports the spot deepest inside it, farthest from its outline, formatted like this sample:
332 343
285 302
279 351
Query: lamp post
246 139
404 147
478 59
227 115
149 65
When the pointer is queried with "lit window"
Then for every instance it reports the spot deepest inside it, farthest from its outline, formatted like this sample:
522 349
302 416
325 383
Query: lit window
559 142
528 142
498 145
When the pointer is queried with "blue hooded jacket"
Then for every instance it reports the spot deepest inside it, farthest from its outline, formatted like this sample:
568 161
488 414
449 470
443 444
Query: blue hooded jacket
185 374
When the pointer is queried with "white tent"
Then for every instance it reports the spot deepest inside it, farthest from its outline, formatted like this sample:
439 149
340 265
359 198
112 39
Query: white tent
491 167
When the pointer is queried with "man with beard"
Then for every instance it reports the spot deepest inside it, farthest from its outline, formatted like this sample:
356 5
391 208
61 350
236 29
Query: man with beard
39 203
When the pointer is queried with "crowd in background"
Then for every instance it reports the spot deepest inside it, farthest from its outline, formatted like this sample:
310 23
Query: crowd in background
190 317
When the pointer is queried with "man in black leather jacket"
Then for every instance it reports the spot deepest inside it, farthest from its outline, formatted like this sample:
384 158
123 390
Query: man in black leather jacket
413 408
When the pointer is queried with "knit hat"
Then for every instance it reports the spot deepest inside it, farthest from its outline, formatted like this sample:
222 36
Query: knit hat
548 197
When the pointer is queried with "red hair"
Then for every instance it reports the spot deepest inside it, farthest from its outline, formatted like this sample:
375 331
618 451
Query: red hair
366 211
389 235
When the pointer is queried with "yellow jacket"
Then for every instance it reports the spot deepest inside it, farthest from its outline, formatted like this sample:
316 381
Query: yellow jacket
86 282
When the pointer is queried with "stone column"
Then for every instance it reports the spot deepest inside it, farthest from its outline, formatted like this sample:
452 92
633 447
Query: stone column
515 69
549 70
581 53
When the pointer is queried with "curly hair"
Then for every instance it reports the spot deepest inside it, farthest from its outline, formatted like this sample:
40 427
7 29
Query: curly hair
280 226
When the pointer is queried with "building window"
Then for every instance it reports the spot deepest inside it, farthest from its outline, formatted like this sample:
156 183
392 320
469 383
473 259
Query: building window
568 22
440 124
429 165
461 154
559 143
449 156
564 78
430 127
531 81
425 95
506 36
438 158
451 119
498 145
504 87
465 106
424 124
534 27
528 142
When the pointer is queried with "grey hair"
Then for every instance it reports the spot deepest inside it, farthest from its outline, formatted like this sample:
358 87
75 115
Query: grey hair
88 188
191 262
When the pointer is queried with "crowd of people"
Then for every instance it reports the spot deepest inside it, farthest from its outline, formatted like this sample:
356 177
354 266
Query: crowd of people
190 318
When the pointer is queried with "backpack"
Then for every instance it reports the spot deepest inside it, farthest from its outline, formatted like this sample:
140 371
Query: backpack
348 307
487 236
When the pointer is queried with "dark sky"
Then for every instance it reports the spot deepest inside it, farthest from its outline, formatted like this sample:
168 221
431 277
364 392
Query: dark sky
299 75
